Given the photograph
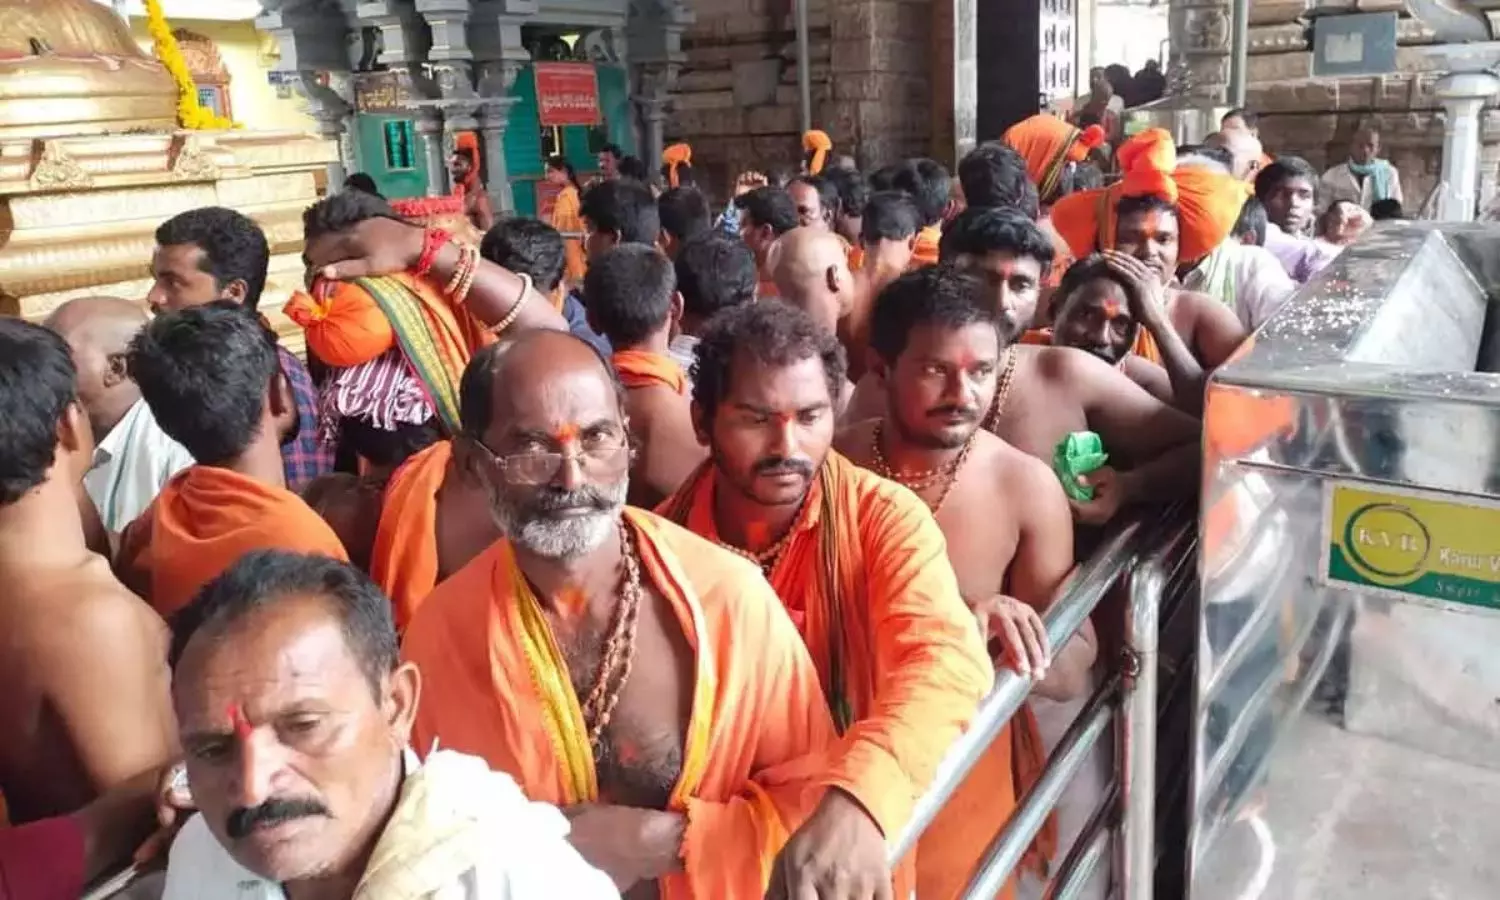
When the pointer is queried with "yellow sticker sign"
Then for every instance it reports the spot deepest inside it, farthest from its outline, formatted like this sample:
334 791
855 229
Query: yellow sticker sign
1416 544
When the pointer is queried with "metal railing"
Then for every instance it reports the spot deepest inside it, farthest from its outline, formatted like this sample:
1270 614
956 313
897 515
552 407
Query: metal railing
1142 555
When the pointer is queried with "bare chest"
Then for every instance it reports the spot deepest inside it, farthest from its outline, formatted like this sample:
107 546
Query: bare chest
1034 420
640 756
981 535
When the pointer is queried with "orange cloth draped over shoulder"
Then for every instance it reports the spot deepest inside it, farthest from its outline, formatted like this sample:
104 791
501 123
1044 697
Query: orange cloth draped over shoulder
497 687
1145 346
405 559
642 368
1036 336
925 253
567 217
1048 145
1208 203
867 581
202 522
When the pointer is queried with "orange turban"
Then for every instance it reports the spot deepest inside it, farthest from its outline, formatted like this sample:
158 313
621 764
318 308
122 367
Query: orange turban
674 156
1048 144
467 143
1208 203
818 143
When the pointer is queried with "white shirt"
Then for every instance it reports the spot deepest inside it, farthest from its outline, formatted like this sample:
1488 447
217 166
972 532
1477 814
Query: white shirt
1244 277
459 832
131 466
1340 183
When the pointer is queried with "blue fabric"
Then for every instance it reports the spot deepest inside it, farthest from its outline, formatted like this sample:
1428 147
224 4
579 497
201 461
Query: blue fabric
578 323
1379 173
729 222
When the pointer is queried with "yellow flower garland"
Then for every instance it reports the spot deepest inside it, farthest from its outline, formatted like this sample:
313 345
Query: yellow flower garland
190 113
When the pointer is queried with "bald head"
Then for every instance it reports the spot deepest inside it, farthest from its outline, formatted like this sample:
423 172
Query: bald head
536 363
1246 149
811 269
108 322
98 331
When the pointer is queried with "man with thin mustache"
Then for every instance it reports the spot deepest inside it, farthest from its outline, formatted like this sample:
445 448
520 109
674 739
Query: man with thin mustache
858 563
294 714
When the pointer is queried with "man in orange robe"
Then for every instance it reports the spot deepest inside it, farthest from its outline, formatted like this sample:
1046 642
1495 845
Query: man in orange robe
858 562
1049 145
1166 217
612 663
211 377
634 303
1009 535
931 188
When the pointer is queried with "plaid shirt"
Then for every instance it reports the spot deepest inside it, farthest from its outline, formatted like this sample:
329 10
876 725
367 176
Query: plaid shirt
306 457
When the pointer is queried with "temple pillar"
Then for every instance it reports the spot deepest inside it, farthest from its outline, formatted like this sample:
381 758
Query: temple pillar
1463 95
499 56
653 41
1198 66
429 130
313 40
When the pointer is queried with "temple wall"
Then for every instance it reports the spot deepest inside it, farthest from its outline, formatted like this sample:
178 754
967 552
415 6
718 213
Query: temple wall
737 98
1316 117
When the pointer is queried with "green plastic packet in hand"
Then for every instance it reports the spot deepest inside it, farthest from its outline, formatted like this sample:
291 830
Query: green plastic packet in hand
1078 454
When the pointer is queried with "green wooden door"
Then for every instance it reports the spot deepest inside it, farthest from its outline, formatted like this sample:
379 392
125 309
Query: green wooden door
390 153
526 146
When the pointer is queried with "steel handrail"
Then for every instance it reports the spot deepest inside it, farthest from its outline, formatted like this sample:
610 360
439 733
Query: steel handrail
1005 851
1073 602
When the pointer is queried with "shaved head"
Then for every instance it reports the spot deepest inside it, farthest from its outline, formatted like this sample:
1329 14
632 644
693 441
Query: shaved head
107 323
811 269
1246 149
98 331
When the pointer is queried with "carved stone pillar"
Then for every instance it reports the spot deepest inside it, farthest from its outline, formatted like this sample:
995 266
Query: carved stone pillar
653 100
1463 95
330 103
653 38
430 133
312 38
1200 34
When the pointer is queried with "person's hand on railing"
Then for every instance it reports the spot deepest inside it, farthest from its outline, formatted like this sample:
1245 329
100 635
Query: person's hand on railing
1016 631
1110 496
837 854
174 803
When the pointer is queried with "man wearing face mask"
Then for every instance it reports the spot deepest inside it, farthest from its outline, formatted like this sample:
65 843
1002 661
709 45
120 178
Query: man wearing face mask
294 713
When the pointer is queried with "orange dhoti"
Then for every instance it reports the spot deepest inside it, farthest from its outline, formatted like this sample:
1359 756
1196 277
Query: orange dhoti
496 686
405 559
897 651
202 522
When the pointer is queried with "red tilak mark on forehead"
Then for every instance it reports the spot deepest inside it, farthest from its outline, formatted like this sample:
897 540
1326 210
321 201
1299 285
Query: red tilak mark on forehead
565 433
784 418
238 721
1112 309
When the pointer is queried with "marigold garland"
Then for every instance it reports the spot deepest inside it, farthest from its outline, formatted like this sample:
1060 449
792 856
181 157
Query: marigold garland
190 113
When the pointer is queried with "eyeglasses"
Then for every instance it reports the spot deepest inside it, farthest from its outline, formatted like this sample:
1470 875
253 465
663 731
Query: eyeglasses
603 455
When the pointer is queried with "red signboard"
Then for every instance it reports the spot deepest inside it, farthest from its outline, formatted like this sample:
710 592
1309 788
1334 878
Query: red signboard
567 94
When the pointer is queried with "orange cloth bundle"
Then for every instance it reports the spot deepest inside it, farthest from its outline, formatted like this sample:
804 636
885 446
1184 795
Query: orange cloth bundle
1049 144
344 325
674 157
819 144
1208 203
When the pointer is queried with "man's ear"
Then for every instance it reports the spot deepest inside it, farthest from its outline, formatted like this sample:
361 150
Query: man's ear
74 434
115 370
237 290
875 365
700 426
403 693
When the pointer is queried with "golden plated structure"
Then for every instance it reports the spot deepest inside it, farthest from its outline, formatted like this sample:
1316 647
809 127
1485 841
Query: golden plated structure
92 161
